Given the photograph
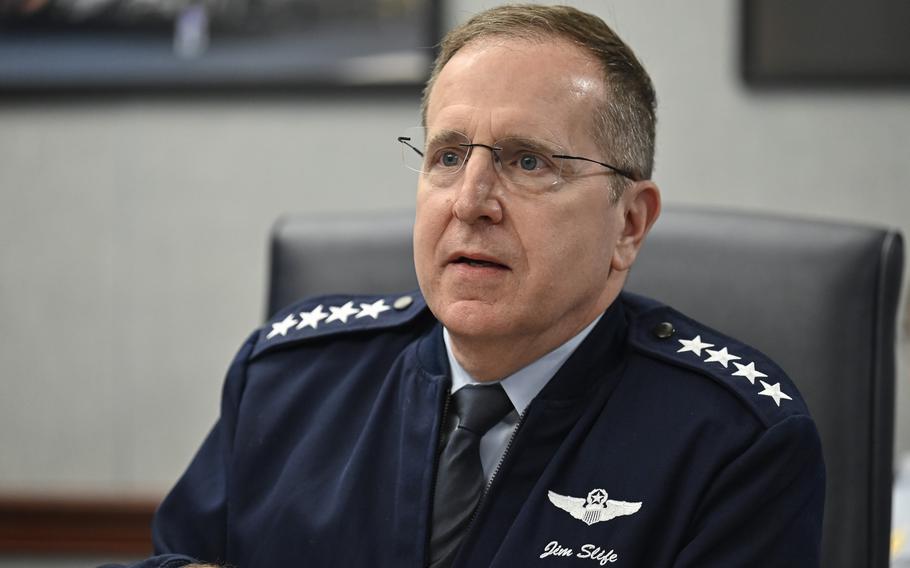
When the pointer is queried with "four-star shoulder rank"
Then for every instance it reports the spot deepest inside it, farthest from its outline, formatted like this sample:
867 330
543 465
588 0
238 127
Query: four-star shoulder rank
327 315
668 334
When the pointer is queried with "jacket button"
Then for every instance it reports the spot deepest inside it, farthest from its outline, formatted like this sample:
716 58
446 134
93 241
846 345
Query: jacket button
663 330
403 302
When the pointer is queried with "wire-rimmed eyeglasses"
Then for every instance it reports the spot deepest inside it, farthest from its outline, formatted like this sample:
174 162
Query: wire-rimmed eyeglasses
528 163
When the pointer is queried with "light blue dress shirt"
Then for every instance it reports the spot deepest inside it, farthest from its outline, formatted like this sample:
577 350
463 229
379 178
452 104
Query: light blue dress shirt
521 387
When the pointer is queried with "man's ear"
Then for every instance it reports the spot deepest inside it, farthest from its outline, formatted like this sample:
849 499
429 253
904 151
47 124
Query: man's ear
640 204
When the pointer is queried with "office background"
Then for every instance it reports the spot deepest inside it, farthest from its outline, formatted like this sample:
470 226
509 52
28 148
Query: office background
133 229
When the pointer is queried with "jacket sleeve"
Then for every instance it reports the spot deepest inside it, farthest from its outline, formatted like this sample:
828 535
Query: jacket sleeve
765 507
190 526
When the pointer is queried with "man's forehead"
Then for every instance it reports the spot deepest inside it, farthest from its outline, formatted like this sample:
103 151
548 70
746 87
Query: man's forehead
503 123
517 87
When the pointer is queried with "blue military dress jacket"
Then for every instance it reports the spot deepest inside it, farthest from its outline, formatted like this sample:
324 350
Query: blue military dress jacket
660 443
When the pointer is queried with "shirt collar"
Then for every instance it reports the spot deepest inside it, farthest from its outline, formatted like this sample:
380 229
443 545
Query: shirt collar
524 384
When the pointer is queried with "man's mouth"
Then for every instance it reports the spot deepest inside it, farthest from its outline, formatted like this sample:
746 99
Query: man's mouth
477 262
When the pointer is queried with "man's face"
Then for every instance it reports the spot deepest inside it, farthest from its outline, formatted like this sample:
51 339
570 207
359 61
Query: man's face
546 256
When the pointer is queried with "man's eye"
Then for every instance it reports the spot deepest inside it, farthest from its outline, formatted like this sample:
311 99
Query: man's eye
529 162
449 159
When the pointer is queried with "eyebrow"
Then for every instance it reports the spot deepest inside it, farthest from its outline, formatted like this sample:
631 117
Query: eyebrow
445 137
534 144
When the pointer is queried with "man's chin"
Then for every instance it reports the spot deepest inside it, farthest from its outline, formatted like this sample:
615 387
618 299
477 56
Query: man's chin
474 318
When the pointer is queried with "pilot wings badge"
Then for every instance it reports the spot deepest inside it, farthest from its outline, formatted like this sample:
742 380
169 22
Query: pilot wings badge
596 508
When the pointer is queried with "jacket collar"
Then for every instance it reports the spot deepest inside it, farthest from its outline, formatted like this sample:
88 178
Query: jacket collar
601 348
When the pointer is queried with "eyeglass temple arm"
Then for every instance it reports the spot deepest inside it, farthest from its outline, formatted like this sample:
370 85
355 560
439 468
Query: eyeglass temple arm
406 140
621 172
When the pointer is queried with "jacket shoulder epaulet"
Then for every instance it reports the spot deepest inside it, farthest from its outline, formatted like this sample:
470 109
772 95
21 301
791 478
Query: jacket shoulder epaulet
663 333
324 316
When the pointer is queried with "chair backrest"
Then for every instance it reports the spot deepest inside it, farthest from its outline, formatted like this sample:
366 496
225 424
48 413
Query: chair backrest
345 255
818 297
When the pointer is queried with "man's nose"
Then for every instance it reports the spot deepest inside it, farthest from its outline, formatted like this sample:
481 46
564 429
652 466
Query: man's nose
480 190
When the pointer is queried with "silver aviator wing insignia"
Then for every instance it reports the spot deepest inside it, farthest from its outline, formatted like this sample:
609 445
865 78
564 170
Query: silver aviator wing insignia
575 506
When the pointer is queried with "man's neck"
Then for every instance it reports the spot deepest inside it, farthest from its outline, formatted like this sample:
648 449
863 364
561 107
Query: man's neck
490 359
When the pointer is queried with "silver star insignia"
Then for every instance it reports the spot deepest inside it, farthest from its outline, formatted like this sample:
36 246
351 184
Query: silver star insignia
372 310
748 371
694 345
312 318
721 356
596 497
774 392
342 312
282 327
595 509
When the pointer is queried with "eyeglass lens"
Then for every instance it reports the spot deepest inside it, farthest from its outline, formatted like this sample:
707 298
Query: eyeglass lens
524 162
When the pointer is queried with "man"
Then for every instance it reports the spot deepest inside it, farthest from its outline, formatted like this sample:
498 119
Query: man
521 410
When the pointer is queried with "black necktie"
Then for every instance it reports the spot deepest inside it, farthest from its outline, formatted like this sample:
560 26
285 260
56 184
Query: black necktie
459 478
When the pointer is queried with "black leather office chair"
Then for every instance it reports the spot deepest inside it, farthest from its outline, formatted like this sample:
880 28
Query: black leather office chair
820 298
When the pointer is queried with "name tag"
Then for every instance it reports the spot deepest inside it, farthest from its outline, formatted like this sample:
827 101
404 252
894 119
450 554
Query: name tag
587 551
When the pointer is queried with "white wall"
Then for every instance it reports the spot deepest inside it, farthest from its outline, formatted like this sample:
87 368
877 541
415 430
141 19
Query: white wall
133 232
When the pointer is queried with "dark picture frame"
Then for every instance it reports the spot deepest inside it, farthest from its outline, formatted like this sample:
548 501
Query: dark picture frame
825 43
49 46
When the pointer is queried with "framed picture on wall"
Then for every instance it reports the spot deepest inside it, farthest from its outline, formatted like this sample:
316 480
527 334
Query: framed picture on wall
840 43
181 45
